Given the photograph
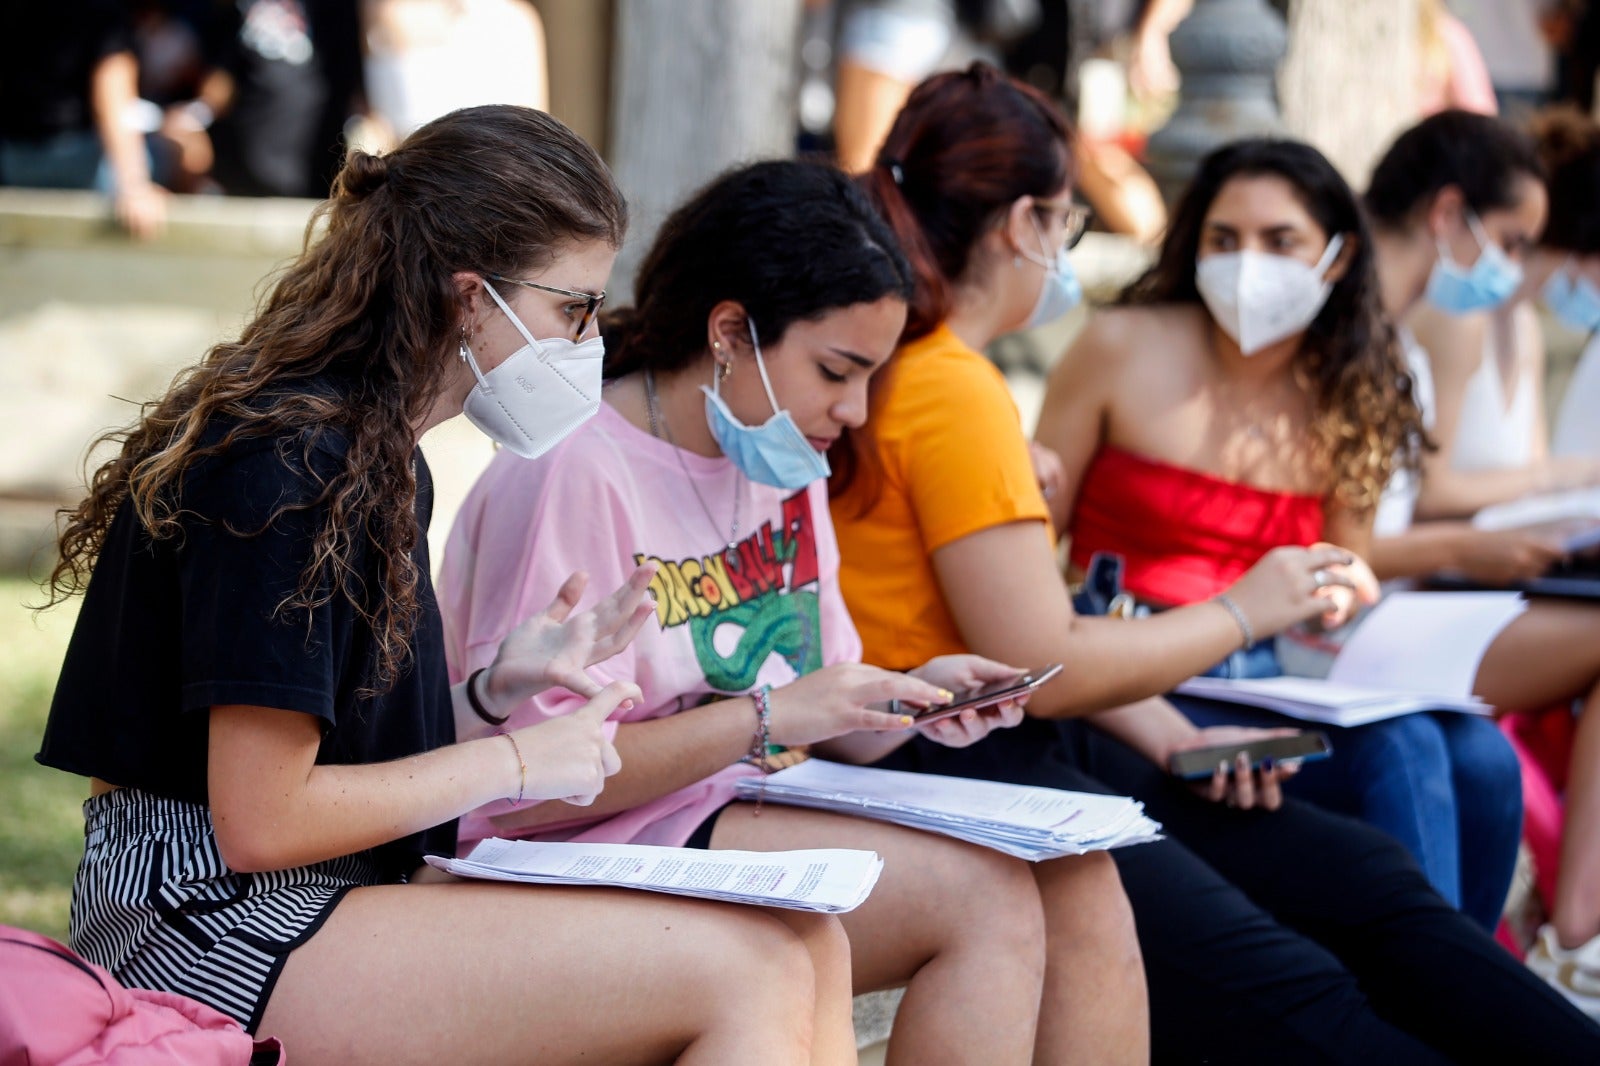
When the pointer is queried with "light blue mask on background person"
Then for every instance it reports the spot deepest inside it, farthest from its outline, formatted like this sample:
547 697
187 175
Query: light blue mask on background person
1061 292
774 453
1487 284
1573 298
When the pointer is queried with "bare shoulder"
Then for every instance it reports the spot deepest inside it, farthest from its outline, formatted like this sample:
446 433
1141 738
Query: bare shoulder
1454 343
1118 340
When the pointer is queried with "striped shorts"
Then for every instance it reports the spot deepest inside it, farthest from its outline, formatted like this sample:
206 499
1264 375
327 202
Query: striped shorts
154 903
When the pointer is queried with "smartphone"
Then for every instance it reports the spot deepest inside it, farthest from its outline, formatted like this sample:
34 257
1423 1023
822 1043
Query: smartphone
1203 762
989 695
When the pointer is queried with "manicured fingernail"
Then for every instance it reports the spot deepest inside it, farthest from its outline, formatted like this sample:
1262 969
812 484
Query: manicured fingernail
947 694
626 705
1222 767
906 719
1267 765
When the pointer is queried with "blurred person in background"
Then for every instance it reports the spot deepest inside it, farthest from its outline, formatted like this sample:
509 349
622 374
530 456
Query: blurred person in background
887 46
425 58
1516 50
1451 72
295 66
68 87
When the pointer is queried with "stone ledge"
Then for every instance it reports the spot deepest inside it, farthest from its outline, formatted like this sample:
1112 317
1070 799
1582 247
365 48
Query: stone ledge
212 224
874 1015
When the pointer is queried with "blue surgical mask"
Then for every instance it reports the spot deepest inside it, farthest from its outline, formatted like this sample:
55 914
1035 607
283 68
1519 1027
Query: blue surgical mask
774 453
1573 298
1487 284
1061 291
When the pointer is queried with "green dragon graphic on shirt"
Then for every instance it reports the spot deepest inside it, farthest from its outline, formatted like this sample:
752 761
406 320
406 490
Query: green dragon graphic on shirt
764 587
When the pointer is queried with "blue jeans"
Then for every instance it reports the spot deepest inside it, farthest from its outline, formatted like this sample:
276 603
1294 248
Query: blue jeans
1446 785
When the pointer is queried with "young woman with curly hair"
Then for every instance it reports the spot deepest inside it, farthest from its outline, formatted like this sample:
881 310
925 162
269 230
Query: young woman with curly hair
1248 393
257 687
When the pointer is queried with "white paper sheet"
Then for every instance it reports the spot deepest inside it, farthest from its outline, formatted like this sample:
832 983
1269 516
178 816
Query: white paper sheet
828 880
1573 516
1325 702
1026 821
1425 642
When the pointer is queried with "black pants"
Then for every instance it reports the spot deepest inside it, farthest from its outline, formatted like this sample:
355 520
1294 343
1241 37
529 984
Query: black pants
1296 936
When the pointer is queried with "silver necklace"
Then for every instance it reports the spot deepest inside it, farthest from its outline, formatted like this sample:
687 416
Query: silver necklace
660 430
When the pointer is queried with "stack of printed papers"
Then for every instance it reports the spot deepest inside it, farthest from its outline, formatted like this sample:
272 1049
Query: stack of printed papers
832 881
1022 820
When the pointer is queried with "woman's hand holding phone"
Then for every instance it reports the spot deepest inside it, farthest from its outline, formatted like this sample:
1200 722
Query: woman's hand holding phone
840 699
1237 784
963 673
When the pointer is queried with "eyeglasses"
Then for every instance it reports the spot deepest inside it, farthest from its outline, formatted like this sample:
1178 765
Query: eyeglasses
1074 217
591 300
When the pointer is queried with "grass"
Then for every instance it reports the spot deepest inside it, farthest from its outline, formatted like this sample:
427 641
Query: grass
41 817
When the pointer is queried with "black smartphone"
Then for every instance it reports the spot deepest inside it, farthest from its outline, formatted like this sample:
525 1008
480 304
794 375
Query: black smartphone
1203 762
989 695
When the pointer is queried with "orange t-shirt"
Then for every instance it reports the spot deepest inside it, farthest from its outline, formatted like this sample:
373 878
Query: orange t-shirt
954 461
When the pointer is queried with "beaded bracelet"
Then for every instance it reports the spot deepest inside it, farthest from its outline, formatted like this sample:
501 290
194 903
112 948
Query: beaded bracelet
1238 616
760 743
522 765
477 705
763 737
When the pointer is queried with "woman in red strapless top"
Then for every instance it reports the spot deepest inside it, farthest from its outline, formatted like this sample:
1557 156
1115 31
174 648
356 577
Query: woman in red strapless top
1249 394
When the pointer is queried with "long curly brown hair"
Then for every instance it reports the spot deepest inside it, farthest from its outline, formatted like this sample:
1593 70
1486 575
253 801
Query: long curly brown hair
1366 422
371 306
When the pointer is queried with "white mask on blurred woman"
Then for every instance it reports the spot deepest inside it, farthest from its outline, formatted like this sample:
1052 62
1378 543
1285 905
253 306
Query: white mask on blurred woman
1259 299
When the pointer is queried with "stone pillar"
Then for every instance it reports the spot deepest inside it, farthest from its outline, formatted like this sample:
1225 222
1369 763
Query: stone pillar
697 86
1349 83
1227 52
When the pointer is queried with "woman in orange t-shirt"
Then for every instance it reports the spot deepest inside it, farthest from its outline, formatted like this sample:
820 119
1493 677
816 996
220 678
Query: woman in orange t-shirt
1290 936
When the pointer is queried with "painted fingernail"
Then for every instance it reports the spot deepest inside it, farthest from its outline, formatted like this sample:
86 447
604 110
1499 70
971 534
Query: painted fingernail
1222 767
905 719
1267 765
947 694
626 705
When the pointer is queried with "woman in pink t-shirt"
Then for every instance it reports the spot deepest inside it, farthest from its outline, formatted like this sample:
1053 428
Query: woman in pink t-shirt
780 290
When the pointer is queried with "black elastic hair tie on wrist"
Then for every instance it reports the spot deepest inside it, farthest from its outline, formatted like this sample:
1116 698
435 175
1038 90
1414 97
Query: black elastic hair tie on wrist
477 706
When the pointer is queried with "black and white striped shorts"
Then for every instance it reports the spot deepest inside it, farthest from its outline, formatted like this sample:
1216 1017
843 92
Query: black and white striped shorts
154 903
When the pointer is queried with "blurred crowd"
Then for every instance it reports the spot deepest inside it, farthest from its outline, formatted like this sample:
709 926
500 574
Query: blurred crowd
143 98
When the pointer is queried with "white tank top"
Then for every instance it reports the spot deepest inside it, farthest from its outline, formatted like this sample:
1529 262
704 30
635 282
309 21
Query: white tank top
1399 500
1493 434
1578 427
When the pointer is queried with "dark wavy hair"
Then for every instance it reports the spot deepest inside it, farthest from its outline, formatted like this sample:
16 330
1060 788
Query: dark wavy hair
1483 156
1568 142
966 146
789 241
1367 423
371 307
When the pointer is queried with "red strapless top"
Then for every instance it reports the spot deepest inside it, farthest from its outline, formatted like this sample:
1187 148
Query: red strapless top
1185 535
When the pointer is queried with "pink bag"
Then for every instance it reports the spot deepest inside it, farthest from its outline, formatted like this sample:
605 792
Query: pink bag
57 1009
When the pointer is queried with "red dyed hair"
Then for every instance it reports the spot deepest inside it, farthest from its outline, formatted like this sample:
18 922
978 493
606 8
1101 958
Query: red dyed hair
964 148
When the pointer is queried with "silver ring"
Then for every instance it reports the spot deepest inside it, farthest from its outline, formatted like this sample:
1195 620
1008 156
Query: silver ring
1322 578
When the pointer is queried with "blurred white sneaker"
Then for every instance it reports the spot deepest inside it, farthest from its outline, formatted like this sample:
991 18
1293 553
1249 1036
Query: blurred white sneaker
1574 973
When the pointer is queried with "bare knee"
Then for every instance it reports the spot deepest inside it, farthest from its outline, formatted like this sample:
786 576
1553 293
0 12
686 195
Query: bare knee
993 901
759 965
1085 904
